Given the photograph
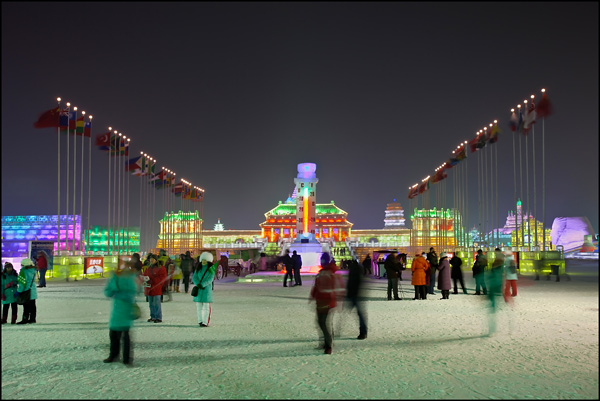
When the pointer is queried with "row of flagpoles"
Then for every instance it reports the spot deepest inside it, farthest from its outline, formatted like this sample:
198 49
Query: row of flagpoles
521 121
69 122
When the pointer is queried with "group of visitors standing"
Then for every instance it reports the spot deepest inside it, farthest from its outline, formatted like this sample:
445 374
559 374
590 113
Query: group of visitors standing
292 264
14 284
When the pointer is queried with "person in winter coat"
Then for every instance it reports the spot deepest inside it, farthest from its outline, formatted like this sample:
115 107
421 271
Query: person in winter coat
155 276
203 277
297 259
177 275
510 274
9 287
391 271
494 277
289 268
170 268
444 282
367 265
401 261
456 273
262 262
42 265
432 258
326 289
419 267
187 266
25 279
122 286
478 272
354 289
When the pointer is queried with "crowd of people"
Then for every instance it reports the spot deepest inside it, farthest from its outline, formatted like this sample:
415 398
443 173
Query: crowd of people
159 275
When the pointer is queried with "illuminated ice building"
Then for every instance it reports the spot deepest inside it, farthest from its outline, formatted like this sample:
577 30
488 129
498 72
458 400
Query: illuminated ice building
17 231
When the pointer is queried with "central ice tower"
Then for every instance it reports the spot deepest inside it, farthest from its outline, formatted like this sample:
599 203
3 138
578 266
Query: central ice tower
306 204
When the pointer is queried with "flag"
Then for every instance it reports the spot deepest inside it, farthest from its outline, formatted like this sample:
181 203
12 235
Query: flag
457 157
544 107
79 126
478 142
126 152
529 118
413 191
439 175
48 119
178 188
72 120
103 141
64 119
199 195
494 134
520 122
514 122
87 129
424 186
134 164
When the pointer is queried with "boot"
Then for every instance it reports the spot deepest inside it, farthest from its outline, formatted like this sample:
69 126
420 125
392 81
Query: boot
4 317
14 319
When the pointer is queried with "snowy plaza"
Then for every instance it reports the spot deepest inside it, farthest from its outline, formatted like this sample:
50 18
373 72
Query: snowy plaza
262 344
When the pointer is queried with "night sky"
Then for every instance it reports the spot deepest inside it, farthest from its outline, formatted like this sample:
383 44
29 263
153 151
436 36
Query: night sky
232 96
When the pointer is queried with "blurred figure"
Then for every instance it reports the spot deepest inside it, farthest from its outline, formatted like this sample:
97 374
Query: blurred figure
391 271
432 258
42 266
456 273
204 275
419 276
177 275
495 287
25 280
401 261
155 276
9 287
136 263
427 273
262 262
122 287
289 268
354 290
187 266
444 283
478 272
170 268
326 288
297 259
367 265
510 274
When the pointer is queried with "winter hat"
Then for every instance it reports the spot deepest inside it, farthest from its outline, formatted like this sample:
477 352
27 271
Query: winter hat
206 256
443 255
325 259
26 262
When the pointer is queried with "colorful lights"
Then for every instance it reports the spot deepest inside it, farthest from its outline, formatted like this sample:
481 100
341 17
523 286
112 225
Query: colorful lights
305 211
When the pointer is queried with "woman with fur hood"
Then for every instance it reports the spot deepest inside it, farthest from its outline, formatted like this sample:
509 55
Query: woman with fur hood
203 277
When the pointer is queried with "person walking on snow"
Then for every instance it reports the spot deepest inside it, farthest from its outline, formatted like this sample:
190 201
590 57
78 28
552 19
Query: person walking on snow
444 282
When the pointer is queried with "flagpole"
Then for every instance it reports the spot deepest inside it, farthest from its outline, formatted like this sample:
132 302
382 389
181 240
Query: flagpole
128 182
89 189
109 175
68 177
521 180
81 190
74 182
534 174
515 184
527 187
58 185
543 181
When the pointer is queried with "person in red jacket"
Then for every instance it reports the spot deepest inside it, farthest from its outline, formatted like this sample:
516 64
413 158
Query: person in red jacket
42 265
327 287
155 276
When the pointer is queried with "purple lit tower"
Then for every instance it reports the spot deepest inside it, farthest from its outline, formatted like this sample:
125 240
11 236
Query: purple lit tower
306 204
306 243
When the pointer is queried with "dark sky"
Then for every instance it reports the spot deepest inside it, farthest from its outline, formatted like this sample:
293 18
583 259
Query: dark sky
232 96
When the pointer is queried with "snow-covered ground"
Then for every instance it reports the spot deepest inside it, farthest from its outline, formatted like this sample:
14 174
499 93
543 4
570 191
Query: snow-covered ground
262 342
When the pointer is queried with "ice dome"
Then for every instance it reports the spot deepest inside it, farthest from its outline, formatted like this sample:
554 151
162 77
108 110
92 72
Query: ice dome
569 231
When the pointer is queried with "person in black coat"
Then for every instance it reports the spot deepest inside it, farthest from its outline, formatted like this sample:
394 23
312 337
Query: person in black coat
289 268
391 271
456 273
354 289
367 265
478 272
432 258
187 267
297 259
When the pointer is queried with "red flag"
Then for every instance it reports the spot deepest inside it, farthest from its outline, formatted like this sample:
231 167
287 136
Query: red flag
439 175
413 191
544 107
48 119
103 141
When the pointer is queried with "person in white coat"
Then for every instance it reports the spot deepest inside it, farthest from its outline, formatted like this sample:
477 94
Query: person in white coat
510 277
